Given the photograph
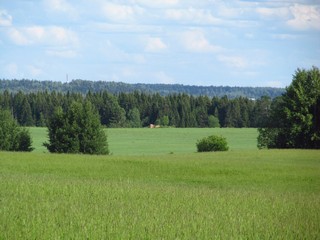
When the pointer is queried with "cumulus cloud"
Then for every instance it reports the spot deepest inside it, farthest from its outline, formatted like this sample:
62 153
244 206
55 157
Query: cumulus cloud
192 15
11 69
61 6
195 41
18 37
62 53
233 61
158 3
121 12
34 71
305 17
43 35
297 16
5 19
275 12
162 77
155 45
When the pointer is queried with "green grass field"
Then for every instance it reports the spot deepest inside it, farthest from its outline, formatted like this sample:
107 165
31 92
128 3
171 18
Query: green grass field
140 141
140 193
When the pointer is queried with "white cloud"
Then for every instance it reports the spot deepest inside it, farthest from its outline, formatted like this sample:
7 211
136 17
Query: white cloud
5 19
192 15
43 35
125 28
18 37
61 6
34 71
195 41
158 3
297 16
284 36
305 17
275 12
11 69
276 84
233 61
121 12
155 45
62 53
162 77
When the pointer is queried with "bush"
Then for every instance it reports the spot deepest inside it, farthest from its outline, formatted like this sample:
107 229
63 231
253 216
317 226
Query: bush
212 143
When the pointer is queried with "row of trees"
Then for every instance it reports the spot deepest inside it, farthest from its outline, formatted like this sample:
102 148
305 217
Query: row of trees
77 130
140 109
74 121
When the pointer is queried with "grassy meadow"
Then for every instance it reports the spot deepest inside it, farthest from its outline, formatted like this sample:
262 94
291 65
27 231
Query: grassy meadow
139 141
155 186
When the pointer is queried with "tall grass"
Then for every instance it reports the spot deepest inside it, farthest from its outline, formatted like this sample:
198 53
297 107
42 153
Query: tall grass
231 195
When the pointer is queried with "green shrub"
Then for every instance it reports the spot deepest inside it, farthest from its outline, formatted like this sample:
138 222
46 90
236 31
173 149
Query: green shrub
212 143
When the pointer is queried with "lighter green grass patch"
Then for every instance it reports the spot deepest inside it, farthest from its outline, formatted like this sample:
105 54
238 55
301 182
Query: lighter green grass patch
145 141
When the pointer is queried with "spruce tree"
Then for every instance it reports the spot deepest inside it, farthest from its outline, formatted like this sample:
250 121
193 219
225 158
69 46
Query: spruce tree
12 136
77 130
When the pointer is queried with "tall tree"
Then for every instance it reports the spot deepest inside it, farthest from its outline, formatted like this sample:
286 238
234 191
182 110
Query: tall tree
77 130
297 114
13 137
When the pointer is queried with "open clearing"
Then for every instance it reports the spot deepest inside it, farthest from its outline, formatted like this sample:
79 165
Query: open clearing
244 193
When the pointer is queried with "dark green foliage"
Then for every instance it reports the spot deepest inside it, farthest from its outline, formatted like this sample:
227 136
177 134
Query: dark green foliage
212 143
13 137
294 121
24 141
77 130
134 120
140 109
83 86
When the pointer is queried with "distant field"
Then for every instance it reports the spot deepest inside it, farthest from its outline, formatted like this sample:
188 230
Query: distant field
130 141
240 194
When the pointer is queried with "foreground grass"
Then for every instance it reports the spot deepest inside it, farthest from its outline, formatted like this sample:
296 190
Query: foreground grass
230 195
139 141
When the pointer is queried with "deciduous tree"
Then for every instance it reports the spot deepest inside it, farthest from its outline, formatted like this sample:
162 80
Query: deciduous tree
297 114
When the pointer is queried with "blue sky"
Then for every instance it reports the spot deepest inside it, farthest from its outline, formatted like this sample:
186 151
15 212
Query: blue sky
191 42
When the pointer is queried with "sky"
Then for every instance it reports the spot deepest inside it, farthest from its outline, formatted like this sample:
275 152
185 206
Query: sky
190 42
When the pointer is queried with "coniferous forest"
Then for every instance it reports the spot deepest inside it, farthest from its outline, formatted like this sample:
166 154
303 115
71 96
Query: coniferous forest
138 109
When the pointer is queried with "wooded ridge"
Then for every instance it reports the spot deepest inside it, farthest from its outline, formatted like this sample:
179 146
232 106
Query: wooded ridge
84 86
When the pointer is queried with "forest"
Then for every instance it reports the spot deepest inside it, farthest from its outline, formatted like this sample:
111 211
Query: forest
83 86
139 109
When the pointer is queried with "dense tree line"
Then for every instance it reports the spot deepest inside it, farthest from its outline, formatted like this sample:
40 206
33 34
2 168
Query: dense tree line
141 109
83 86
